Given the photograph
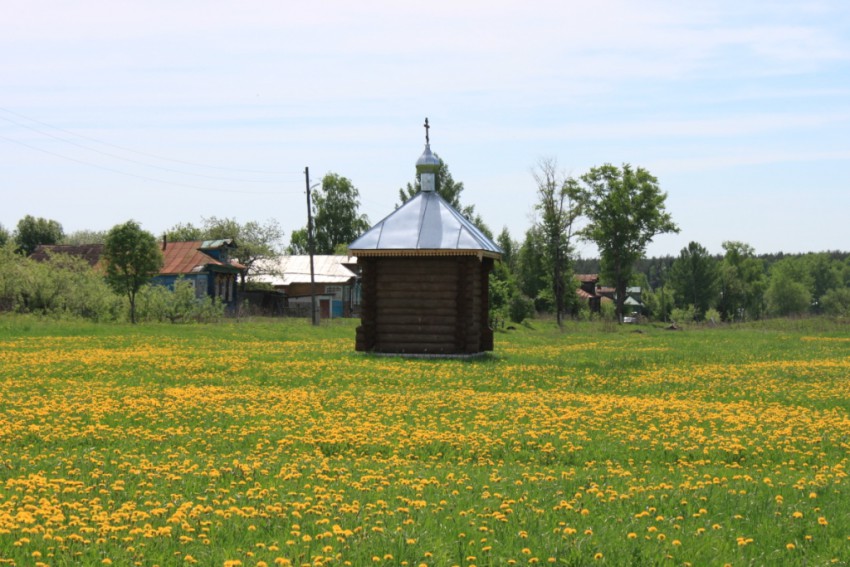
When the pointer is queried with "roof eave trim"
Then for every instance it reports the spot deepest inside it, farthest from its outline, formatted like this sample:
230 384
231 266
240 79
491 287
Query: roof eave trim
424 252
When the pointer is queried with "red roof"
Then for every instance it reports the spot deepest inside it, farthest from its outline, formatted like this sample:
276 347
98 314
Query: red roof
587 277
584 295
187 258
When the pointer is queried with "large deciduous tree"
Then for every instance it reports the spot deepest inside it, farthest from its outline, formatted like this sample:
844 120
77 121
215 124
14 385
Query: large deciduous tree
32 231
132 258
531 268
742 283
789 290
694 279
336 217
625 209
558 206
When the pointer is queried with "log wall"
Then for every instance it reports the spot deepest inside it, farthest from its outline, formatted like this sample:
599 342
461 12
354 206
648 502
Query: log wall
424 305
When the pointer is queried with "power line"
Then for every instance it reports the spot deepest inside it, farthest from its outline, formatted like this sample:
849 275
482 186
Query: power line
143 177
131 160
154 156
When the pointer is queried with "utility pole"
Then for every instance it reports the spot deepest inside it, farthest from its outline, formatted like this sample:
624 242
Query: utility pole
314 312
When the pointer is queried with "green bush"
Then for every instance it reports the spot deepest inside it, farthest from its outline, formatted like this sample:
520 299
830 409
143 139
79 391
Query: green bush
712 316
683 316
178 305
836 302
521 308
60 286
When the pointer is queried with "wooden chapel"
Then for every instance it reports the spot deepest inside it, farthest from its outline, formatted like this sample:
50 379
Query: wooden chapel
425 276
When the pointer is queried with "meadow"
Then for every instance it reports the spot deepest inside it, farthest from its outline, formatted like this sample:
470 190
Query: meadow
261 443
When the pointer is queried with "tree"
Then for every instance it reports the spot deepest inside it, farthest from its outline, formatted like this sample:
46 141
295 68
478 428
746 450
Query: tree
789 290
85 237
531 268
742 283
837 302
4 236
826 275
185 233
559 206
336 217
658 302
694 279
33 231
336 214
132 258
625 209
298 242
509 249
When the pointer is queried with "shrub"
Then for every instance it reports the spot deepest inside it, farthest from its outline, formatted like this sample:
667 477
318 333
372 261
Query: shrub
60 286
682 316
178 305
712 316
836 302
521 308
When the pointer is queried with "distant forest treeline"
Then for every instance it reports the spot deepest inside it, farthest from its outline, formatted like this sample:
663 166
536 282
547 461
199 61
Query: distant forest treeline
654 268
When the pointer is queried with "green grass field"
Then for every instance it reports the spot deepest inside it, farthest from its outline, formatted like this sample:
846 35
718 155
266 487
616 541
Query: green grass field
274 443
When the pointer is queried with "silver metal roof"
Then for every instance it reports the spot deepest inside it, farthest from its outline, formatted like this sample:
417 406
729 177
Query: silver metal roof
286 270
426 223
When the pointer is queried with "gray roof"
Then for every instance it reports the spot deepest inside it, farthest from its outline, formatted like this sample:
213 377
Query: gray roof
426 224
287 270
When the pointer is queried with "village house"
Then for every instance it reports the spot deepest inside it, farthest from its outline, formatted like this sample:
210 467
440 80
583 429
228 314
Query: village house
337 285
206 264
594 294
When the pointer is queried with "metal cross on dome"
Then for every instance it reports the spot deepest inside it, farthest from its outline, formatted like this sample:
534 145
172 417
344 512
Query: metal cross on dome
427 139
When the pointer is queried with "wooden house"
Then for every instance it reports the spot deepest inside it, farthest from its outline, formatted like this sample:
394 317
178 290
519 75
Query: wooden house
425 277
337 284
206 264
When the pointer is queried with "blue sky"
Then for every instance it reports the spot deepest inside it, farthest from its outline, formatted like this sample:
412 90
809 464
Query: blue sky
166 112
